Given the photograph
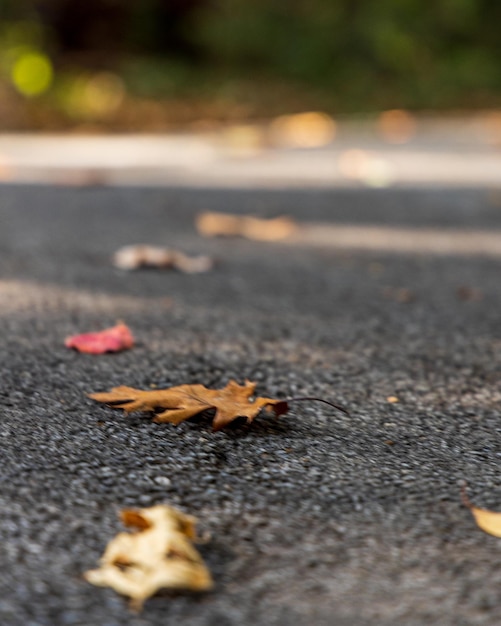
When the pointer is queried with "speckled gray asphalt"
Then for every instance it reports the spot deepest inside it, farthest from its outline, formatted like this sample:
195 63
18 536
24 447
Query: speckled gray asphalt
315 517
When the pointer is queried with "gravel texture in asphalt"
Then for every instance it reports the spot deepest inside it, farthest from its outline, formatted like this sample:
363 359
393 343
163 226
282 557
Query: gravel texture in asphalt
315 517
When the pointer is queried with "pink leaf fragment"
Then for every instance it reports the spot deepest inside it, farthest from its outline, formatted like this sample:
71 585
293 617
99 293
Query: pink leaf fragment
112 339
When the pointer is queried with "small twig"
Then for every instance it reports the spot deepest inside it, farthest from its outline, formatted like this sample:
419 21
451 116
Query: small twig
309 398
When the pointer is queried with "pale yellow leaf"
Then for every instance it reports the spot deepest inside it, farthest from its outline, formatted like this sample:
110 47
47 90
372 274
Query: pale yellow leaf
158 555
488 521
143 255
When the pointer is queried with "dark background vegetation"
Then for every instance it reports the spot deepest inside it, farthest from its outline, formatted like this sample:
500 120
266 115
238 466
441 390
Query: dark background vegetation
234 59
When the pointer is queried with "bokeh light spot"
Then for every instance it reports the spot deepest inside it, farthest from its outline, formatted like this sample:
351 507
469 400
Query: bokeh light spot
32 73
367 168
396 126
312 129
92 97
104 93
243 140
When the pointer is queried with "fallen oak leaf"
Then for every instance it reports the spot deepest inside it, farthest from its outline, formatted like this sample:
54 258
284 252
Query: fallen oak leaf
185 401
112 339
488 521
213 224
158 555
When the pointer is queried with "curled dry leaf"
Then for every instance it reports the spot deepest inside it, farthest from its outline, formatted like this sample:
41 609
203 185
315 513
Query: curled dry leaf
488 521
112 339
159 555
212 224
185 401
142 255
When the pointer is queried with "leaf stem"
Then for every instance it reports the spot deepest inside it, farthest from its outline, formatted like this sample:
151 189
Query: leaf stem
309 398
464 496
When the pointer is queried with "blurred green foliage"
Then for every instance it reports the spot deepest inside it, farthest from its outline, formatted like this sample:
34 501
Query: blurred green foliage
341 55
363 54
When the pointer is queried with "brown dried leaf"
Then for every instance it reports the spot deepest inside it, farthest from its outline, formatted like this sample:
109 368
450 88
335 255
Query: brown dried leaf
400 294
158 555
212 224
185 401
469 294
142 255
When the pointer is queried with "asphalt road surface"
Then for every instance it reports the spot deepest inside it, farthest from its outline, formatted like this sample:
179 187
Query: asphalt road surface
315 518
